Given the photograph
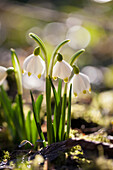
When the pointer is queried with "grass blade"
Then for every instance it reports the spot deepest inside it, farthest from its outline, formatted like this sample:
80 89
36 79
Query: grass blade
17 71
49 113
34 133
55 127
62 119
57 108
60 101
36 121
18 77
20 114
6 104
38 107
17 120
69 114
28 126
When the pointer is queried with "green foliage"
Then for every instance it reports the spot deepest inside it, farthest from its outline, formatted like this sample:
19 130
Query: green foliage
28 128
62 119
17 71
55 130
12 115
69 114
36 111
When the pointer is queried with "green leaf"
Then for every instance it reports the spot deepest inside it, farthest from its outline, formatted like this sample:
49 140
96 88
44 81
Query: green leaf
59 106
54 91
55 109
38 104
28 125
12 116
18 77
49 114
69 114
36 121
17 120
20 105
75 56
6 104
17 71
62 119
20 110
34 132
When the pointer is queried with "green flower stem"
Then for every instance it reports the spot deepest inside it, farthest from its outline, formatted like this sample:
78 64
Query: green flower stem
49 114
40 42
75 56
58 113
37 121
18 76
48 89
17 71
54 55
21 110
48 84
57 108
69 114
62 120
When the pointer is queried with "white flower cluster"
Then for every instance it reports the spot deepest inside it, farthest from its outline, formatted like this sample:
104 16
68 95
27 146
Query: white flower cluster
33 73
33 69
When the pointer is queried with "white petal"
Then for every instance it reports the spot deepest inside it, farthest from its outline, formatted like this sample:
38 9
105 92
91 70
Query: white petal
86 81
32 82
56 69
80 83
62 70
77 87
34 65
3 74
26 61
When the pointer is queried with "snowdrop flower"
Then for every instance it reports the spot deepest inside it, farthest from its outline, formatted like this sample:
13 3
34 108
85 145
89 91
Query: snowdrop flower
80 82
61 69
33 69
32 82
3 74
34 64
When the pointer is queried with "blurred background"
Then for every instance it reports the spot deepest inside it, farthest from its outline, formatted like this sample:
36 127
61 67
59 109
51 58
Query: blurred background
88 24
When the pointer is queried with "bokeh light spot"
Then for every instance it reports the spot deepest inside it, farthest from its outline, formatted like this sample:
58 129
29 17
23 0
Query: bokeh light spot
79 36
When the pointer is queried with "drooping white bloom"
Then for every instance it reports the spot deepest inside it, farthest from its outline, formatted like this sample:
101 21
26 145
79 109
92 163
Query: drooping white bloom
33 68
3 74
80 83
62 70
34 65
33 82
